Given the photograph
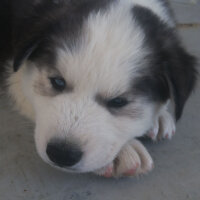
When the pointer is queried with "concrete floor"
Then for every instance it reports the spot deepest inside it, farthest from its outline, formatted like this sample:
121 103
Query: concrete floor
24 176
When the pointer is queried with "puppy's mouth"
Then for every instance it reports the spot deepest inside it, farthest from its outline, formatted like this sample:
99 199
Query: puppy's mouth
65 169
75 169
80 167
73 157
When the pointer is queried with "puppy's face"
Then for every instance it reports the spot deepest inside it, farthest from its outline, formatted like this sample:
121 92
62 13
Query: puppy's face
87 103
86 115
95 92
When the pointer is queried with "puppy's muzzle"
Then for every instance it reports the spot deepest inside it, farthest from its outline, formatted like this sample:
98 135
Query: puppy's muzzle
63 154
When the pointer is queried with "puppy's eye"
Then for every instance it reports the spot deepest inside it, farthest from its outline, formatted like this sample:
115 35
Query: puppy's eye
117 102
58 83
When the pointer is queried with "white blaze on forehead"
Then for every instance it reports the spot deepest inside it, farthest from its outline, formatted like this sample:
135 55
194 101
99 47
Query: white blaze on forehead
108 54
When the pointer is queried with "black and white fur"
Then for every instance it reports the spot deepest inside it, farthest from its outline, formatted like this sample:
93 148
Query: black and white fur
103 49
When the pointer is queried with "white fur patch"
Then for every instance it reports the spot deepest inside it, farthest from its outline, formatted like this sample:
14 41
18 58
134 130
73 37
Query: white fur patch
107 57
163 126
17 83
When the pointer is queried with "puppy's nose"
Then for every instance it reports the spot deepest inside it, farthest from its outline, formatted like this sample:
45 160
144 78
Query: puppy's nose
63 154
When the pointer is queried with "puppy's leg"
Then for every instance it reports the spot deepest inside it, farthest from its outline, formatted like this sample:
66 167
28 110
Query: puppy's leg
132 160
164 126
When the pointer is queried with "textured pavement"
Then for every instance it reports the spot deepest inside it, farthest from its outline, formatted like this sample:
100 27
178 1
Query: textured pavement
24 176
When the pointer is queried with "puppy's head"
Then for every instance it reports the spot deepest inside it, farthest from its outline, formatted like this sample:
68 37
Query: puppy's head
96 77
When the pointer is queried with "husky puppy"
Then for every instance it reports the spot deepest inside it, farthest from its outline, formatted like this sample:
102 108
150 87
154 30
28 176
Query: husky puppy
94 75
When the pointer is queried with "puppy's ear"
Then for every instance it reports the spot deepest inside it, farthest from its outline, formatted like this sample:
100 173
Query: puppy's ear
172 61
181 74
23 54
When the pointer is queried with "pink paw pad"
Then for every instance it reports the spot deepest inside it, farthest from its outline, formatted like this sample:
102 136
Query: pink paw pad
152 135
132 171
167 136
108 173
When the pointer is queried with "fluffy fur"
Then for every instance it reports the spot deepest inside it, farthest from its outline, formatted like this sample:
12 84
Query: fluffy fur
103 49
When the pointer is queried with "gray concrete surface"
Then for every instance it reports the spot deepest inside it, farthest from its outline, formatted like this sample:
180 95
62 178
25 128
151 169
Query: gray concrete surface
24 176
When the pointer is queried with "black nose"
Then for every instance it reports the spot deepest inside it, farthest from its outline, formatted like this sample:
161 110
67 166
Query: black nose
63 154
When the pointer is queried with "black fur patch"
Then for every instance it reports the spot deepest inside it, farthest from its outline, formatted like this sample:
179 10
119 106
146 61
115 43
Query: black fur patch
31 29
170 66
5 43
155 87
168 9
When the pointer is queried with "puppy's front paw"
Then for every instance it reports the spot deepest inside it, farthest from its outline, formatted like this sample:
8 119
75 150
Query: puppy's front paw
132 160
164 127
